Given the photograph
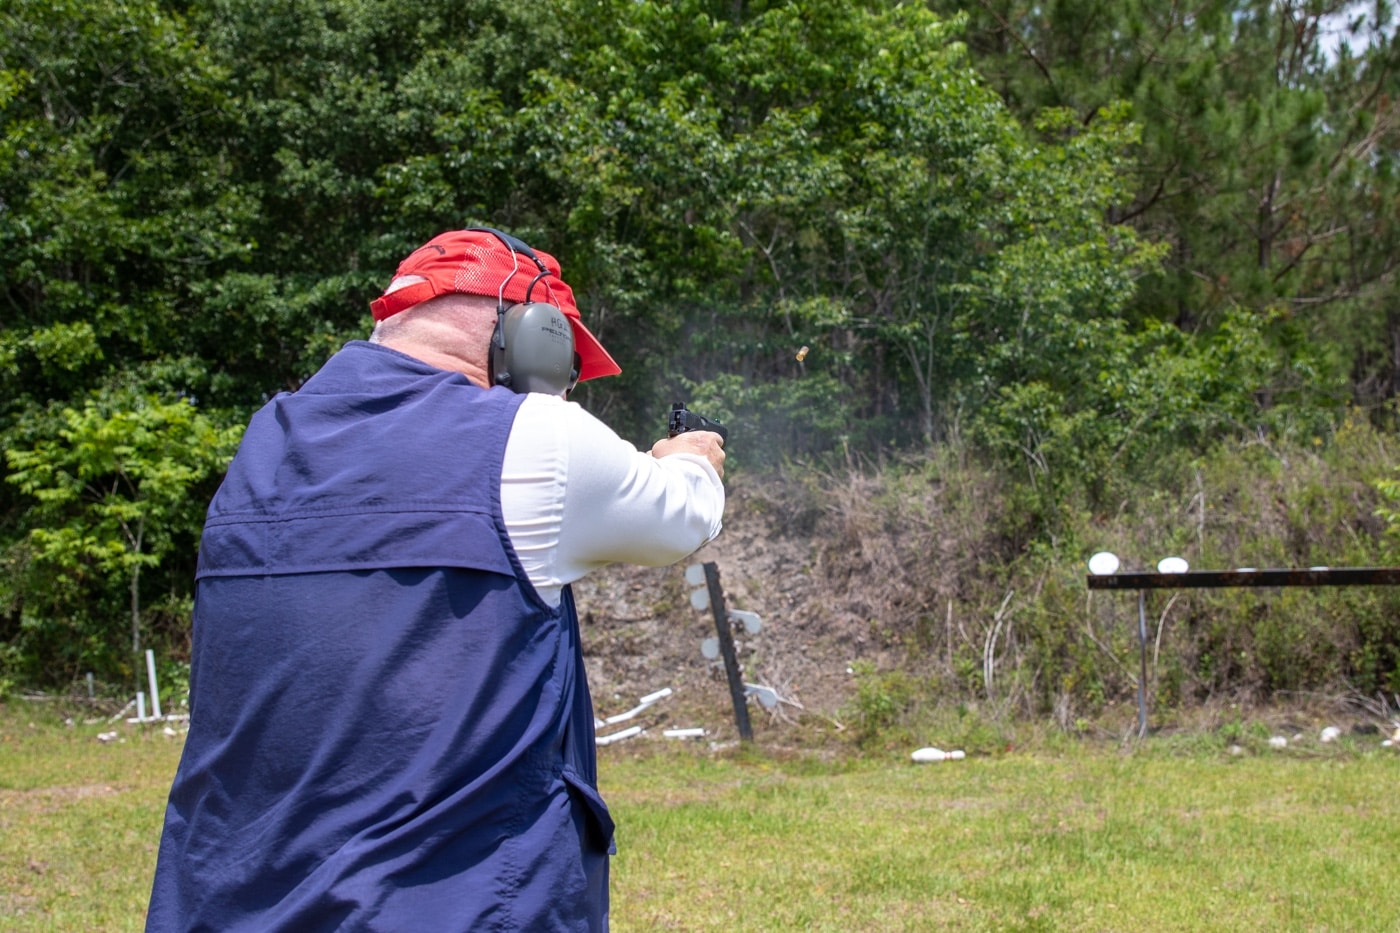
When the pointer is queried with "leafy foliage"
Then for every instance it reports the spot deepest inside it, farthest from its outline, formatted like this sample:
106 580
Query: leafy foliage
117 495
1267 163
1079 238
935 552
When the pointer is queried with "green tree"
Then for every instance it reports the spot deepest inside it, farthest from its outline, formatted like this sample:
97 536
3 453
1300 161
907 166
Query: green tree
361 132
115 205
1267 163
198 201
824 174
115 493
115 195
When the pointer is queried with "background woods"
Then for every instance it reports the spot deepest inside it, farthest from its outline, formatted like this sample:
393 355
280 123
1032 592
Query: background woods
1072 275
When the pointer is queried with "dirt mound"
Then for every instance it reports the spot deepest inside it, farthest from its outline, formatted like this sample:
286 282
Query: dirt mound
641 633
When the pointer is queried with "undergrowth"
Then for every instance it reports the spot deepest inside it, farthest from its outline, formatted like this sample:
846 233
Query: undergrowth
977 604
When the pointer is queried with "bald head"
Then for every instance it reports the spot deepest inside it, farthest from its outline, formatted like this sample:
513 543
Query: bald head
451 332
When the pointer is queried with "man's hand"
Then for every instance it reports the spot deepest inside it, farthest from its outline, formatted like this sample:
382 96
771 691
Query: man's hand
706 444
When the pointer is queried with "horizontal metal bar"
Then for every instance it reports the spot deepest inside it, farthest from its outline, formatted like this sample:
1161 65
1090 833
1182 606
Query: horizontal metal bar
1342 576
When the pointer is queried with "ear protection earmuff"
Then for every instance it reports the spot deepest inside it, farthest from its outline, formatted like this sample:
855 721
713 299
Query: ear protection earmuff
532 346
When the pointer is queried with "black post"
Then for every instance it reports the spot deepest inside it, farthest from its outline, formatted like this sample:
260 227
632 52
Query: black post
1142 673
726 649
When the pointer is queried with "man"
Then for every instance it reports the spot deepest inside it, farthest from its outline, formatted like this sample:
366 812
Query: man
390 726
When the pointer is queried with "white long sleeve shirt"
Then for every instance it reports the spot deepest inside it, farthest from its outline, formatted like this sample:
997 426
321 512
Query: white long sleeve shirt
577 497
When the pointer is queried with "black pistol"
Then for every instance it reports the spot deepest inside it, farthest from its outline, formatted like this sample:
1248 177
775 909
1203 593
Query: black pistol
683 420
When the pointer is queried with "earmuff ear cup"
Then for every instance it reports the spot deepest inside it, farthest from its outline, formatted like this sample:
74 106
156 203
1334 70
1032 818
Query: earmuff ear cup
538 355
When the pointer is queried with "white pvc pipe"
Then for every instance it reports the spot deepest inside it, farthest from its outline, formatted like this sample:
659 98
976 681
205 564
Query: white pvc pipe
642 704
623 717
140 706
151 676
618 736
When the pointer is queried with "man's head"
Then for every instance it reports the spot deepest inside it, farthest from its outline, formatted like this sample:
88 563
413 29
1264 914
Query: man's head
490 264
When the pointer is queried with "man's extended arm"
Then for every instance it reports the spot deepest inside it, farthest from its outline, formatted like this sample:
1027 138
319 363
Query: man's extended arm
577 497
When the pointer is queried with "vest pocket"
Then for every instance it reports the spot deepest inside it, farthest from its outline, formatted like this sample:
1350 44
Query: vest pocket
598 819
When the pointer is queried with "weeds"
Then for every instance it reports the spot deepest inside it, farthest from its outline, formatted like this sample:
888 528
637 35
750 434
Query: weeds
977 605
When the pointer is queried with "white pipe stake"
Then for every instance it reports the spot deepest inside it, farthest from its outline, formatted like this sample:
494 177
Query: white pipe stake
623 717
642 704
140 706
151 676
618 736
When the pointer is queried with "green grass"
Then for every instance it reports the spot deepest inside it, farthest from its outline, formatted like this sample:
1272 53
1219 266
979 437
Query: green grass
79 821
1088 841
1084 838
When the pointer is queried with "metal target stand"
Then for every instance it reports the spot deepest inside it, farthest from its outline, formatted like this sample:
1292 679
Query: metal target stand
1215 579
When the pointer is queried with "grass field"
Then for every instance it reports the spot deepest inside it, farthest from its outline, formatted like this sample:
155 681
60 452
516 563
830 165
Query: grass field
1076 838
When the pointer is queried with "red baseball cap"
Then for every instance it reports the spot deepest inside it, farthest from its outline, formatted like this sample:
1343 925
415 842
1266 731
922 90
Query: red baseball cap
480 262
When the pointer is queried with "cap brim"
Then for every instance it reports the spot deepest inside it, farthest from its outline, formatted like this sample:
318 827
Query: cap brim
594 361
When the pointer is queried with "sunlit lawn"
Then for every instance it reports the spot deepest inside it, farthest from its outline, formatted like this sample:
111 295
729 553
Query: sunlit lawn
1094 838
1090 841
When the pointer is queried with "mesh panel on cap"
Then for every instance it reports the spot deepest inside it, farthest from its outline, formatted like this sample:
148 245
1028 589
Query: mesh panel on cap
470 276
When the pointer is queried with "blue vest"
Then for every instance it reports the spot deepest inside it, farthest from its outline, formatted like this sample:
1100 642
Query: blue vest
389 729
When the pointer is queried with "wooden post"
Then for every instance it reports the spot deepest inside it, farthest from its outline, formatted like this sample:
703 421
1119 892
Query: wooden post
726 649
